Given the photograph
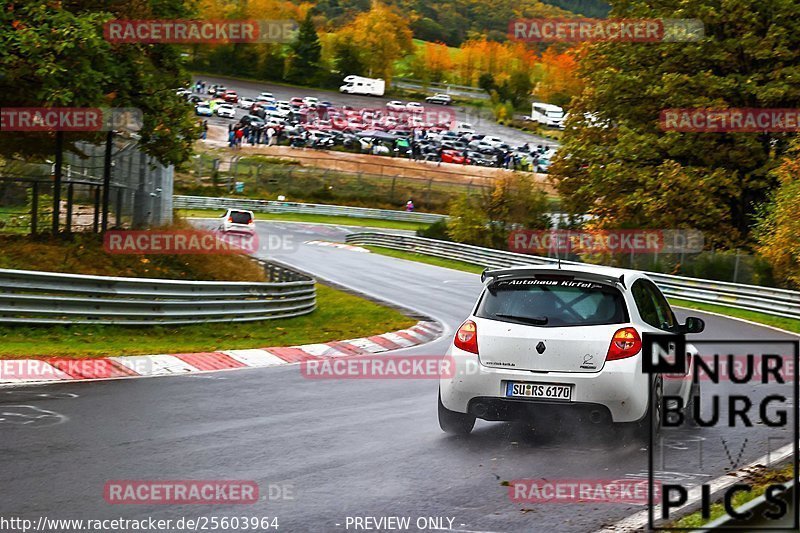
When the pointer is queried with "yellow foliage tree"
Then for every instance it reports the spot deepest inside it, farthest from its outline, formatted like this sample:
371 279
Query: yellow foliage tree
382 36
779 229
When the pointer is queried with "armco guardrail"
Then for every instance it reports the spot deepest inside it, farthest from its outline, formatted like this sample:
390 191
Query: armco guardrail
777 302
757 520
272 206
32 297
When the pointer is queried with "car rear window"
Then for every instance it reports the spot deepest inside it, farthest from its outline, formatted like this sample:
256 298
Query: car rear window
553 303
240 217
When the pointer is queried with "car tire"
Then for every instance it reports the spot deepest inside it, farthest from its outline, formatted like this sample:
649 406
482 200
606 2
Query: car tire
654 415
694 399
453 422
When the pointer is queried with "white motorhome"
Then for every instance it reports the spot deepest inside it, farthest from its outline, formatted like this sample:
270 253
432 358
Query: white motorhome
548 115
361 85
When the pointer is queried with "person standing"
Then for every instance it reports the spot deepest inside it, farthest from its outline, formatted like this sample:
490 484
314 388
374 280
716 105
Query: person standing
270 135
204 134
409 205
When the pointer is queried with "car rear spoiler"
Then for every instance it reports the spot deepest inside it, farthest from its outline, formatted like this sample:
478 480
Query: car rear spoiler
511 273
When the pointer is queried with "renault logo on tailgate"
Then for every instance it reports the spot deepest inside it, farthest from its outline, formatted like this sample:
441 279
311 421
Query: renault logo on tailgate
541 347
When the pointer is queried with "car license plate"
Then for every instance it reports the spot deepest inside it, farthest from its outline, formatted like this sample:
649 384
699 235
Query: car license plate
549 391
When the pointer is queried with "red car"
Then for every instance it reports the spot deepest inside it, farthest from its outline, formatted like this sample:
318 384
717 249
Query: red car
231 97
296 101
454 156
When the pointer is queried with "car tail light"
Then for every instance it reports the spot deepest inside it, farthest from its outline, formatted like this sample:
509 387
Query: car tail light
230 219
625 343
467 337
251 222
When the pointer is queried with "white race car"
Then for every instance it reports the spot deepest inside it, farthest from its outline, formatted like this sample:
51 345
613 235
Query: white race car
544 342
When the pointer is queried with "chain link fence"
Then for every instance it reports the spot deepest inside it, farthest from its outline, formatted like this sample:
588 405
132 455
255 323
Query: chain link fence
139 193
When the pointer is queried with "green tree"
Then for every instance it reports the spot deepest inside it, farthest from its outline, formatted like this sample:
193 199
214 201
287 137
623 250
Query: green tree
486 220
621 167
53 54
304 57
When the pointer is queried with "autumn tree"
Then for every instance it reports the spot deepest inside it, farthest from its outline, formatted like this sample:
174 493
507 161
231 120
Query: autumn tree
382 36
621 167
513 201
778 229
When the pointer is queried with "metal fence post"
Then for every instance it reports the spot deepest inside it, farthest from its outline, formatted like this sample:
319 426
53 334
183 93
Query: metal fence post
35 208
57 180
70 196
96 223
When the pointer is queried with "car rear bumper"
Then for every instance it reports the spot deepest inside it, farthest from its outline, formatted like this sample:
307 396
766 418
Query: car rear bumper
619 389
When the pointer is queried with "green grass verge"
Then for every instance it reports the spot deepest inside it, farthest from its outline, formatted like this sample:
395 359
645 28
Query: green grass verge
788 324
427 259
759 484
364 318
323 219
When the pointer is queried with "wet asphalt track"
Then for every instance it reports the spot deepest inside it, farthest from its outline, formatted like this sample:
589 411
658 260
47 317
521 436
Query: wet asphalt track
346 448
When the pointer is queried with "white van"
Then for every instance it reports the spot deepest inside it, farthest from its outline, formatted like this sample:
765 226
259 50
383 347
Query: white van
548 115
361 85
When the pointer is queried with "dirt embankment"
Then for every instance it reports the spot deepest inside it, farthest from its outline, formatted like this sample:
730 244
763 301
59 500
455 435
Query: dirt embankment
372 164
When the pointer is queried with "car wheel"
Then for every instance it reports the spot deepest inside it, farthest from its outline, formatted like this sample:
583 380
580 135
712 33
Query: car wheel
654 415
694 399
453 422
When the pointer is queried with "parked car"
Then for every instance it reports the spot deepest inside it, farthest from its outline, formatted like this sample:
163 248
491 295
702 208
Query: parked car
226 111
296 101
395 105
311 101
231 97
246 103
237 220
266 96
454 156
440 99
252 120
203 110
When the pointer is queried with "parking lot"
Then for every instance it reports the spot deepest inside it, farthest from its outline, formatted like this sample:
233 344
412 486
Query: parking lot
367 124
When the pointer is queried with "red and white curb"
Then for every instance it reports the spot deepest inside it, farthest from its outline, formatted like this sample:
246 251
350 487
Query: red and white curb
56 370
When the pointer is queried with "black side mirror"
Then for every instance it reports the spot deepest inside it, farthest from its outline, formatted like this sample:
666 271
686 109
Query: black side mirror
693 325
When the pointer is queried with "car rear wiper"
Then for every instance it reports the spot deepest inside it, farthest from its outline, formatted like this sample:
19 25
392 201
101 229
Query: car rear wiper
535 320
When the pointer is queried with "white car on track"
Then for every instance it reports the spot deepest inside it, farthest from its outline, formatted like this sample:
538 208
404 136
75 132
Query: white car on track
415 107
543 343
237 220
